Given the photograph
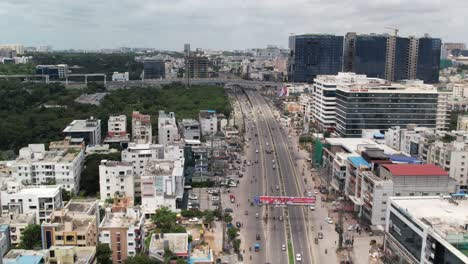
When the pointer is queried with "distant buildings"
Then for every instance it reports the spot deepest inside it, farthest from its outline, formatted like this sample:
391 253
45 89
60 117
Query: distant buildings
427 229
141 128
314 54
89 130
54 71
116 180
190 129
18 48
74 225
393 58
450 49
124 233
120 77
197 66
168 132
39 201
154 69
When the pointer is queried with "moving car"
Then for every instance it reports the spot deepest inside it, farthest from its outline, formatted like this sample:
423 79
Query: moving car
228 210
232 198
256 151
329 220
238 224
298 257
257 215
277 187
257 236
320 235
257 247
283 247
195 219
281 218
312 208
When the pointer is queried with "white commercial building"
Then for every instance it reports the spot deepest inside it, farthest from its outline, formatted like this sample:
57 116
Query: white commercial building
120 77
140 154
89 130
162 185
40 201
190 129
116 180
62 164
423 230
168 133
141 128
208 122
324 95
406 139
459 90
117 129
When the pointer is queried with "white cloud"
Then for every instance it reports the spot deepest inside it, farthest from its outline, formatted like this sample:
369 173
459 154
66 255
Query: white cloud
219 24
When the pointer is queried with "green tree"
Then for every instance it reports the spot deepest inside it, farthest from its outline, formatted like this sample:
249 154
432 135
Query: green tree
180 261
227 218
66 195
89 182
103 254
30 237
232 233
209 218
236 244
139 259
165 220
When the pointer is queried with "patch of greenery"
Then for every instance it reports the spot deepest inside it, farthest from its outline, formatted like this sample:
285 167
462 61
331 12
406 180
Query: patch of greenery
166 221
290 253
205 184
30 237
17 69
89 183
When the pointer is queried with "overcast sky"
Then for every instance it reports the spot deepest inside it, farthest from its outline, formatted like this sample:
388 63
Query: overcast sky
218 24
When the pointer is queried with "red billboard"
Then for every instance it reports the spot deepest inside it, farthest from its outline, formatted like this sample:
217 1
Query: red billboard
286 200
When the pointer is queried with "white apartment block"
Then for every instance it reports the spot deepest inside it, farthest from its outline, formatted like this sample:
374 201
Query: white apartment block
208 122
117 129
141 128
324 95
443 112
453 158
407 139
40 201
462 123
116 180
168 133
162 185
89 130
124 233
16 47
459 90
140 154
61 164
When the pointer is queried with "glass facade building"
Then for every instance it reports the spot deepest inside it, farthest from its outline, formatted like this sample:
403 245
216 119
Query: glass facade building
366 55
312 55
381 110
429 59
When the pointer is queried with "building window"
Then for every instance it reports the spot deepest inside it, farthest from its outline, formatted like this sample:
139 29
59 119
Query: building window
70 238
52 253
59 238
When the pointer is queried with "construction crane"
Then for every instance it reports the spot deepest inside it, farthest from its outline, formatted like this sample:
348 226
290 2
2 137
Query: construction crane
395 30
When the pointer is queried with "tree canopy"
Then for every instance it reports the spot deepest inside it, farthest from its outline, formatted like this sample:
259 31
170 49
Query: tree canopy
89 182
31 237
103 254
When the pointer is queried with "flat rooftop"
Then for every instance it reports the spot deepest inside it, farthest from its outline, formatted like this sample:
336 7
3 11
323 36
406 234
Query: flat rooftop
352 145
23 256
80 205
177 242
189 122
41 191
87 125
119 220
18 219
415 170
446 216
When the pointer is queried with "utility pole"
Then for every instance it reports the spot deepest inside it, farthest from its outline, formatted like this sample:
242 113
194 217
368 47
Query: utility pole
339 227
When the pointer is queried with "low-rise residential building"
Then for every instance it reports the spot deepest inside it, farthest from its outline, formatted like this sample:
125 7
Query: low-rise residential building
168 133
177 243
452 157
208 122
40 201
23 256
76 224
141 128
61 165
117 130
116 180
17 223
124 233
190 129
72 255
427 229
162 185
89 130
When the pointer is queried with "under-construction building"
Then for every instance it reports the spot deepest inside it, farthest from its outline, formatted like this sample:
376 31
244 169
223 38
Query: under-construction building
392 57
197 66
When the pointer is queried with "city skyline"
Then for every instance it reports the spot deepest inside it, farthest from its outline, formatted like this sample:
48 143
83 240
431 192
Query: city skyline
218 25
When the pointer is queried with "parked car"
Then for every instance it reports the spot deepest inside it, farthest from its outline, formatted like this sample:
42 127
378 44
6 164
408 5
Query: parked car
228 210
257 236
329 220
195 219
238 224
320 235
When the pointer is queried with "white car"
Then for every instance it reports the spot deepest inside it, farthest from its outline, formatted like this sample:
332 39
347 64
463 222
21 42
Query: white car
312 208
257 215
316 192
193 197
256 151
283 247
195 219
214 198
329 220
298 257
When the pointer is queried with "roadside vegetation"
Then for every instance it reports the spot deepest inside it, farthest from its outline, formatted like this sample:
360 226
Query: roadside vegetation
28 118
